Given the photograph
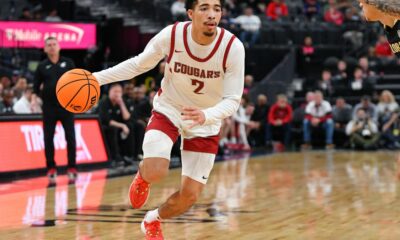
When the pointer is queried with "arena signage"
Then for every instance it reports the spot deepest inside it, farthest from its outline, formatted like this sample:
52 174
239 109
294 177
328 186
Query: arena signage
33 34
22 145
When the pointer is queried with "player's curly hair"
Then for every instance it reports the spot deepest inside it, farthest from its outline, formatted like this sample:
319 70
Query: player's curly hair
391 7
190 4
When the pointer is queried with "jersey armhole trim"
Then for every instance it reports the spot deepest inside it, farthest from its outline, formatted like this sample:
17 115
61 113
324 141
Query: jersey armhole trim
228 48
172 45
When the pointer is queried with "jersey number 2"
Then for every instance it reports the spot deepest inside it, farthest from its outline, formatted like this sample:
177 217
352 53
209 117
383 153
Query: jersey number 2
199 84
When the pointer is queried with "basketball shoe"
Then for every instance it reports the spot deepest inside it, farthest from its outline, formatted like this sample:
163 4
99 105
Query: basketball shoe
138 191
52 174
152 230
72 173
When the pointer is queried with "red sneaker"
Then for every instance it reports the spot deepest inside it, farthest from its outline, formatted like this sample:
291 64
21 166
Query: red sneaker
138 191
72 173
152 230
52 175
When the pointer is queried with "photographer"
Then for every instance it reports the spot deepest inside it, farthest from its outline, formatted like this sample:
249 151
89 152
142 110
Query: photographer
363 131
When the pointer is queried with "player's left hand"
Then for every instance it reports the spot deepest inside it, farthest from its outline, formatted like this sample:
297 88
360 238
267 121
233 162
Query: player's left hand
194 114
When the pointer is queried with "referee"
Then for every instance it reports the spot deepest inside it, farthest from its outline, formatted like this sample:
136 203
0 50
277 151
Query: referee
46 77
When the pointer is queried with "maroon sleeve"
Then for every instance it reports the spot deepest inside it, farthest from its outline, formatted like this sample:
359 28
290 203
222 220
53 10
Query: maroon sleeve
288 116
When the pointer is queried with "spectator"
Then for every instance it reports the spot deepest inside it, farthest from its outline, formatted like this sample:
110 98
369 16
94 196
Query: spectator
363 63
342 115
279 118
332 15
387 111
7 102
1 91
53 16
250 26
248 83
276 10
24 104
359 83
325 84
311 9
20 87
6 82
352 15
114 116
363 131
318 114
260 135
26 15
242 119
382 48
227 21
178 10
341 74
368 107
307 56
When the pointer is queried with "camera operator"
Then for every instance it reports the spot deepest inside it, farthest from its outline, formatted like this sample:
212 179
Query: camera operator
363 131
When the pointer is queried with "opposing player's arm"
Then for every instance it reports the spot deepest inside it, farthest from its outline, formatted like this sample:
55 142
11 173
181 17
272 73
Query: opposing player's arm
156 49
233 86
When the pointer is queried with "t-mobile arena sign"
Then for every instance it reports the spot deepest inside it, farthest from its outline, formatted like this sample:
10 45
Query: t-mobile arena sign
33 34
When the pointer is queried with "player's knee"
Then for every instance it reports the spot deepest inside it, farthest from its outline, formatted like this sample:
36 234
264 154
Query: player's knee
154 169
157 144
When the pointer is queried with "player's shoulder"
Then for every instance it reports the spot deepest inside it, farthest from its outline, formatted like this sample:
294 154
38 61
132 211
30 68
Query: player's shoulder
236 43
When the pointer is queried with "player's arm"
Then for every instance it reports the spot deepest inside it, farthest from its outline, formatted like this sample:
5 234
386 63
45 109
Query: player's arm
156 50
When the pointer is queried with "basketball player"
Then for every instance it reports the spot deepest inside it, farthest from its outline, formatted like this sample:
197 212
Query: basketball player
202 85
48 72
388 13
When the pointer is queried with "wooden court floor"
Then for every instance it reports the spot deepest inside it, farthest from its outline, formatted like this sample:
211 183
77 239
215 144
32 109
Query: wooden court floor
307 195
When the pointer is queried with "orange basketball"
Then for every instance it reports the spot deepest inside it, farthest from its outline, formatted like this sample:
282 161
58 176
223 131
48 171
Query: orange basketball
77 90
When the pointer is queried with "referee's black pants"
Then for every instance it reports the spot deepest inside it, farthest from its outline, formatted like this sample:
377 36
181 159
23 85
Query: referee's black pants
50 117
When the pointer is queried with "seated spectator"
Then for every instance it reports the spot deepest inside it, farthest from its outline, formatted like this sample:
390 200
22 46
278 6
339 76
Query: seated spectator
244 124
259 136
352 15
7 102
382 48
368 107
20 87
318 114
276 9
178 10
363 63
333 15
53 16
114 116
342 115
388 116
363 131
341 73
359 83
227 21
311 8
24 105
26 15
250 25
280 118
5 82
325 85
248 83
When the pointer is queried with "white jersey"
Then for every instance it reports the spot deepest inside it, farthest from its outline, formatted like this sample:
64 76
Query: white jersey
208 77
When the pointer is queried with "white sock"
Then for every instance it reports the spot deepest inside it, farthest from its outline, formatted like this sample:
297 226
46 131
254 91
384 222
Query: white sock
152 216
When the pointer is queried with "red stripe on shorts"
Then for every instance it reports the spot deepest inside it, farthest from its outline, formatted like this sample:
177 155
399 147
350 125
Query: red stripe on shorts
161 123
203 145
